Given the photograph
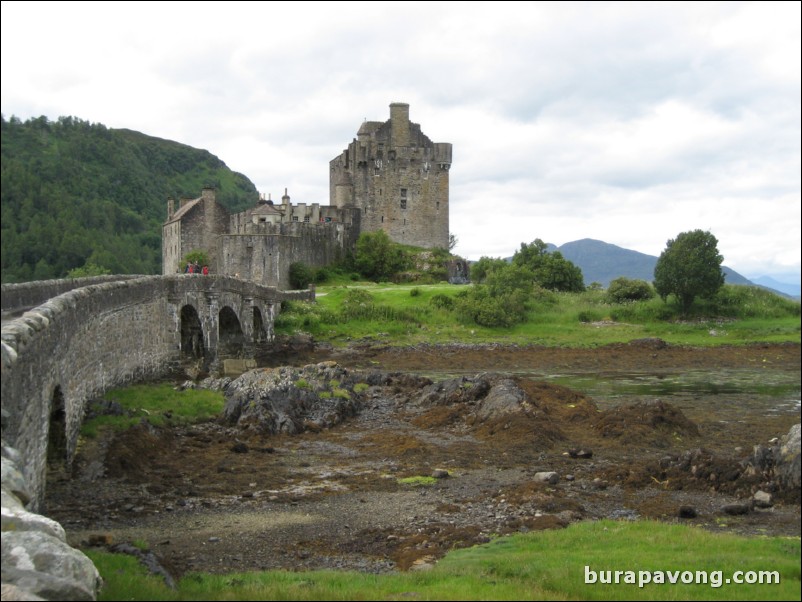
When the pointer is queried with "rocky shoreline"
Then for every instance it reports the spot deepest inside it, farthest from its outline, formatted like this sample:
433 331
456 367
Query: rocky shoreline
331 465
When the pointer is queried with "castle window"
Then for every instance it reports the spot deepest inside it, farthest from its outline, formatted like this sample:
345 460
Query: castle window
306 219
295 218
403 198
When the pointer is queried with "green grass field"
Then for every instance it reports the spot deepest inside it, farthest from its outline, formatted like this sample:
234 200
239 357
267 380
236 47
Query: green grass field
547 565
411 314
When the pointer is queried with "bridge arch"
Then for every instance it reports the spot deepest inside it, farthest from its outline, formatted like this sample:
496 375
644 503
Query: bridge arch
192 345
230 335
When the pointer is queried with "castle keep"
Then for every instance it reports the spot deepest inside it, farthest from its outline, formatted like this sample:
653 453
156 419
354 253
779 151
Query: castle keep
398 179
391 177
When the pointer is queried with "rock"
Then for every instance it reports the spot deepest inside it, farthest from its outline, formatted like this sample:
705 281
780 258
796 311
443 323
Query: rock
599 483
101 539
736 509
13 480
763 499
240 448
504 397
580 453
687 512
12 592
47 567
16 518
549 477
440 473
787 465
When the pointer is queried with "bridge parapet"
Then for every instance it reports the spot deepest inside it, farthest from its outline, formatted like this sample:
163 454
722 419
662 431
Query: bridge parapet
75 346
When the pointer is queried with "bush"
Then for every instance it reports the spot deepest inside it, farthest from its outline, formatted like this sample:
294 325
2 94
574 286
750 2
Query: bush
414 292
300 275
441 301
483 308
623 289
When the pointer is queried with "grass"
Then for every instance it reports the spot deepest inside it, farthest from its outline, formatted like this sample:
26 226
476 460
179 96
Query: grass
160 404
393 314
417 481
547 565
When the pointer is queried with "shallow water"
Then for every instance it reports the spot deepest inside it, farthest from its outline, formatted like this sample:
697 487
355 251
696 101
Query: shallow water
733 394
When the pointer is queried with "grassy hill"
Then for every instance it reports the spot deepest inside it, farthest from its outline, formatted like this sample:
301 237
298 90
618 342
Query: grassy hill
75 192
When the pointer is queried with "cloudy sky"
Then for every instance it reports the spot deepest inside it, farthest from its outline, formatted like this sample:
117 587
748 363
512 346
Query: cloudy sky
624 122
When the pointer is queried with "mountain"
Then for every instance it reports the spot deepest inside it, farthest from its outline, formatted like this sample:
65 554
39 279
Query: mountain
602 262
74 192
792 290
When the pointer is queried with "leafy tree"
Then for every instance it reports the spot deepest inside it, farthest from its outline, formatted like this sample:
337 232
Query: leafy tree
377 257
480 269
626 289
300 275
550 270
689 267
88 269
196 256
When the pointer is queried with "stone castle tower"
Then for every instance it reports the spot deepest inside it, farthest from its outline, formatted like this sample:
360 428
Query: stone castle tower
398 179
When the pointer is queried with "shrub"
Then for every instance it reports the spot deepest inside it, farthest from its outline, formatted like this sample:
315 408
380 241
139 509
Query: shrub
624 289
415 292
441 301
300 275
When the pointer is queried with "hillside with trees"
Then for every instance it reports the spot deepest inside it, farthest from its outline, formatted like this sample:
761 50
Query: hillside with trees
77 194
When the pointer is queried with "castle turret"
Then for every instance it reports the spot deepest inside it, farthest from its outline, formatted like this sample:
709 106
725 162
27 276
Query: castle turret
399 123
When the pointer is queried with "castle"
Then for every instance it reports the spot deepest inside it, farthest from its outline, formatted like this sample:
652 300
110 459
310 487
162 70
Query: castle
391 177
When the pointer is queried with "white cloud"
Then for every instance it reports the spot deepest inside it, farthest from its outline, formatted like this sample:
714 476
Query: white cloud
628 123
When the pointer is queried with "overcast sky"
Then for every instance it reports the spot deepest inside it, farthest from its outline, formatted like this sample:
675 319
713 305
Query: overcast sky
624 122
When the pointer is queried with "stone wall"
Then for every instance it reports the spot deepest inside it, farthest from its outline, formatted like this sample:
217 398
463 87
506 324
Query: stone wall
25 295
266 258
75 346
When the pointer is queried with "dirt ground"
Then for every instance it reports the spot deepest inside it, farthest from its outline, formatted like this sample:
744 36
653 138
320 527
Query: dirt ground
208 498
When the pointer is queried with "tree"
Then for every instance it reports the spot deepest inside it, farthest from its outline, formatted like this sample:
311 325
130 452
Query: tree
300 275
452 241
551 270
377 257
689 267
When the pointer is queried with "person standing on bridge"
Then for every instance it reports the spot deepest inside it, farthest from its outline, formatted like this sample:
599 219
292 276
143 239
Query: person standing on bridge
206 270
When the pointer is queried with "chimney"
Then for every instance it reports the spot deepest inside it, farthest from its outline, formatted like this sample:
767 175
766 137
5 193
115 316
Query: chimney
285 200
170 207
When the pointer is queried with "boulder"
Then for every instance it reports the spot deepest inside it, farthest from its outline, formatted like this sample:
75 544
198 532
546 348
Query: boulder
787 461
47 567
37 561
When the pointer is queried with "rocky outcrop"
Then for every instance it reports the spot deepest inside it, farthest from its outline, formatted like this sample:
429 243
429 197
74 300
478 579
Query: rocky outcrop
292 400
779 465
37 562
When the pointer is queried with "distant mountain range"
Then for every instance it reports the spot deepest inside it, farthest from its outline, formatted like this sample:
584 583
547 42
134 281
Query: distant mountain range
603 262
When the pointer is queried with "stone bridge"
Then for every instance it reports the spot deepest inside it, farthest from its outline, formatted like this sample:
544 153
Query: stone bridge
78 338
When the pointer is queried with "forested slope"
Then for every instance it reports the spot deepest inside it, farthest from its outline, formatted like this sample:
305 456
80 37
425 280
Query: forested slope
75 193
